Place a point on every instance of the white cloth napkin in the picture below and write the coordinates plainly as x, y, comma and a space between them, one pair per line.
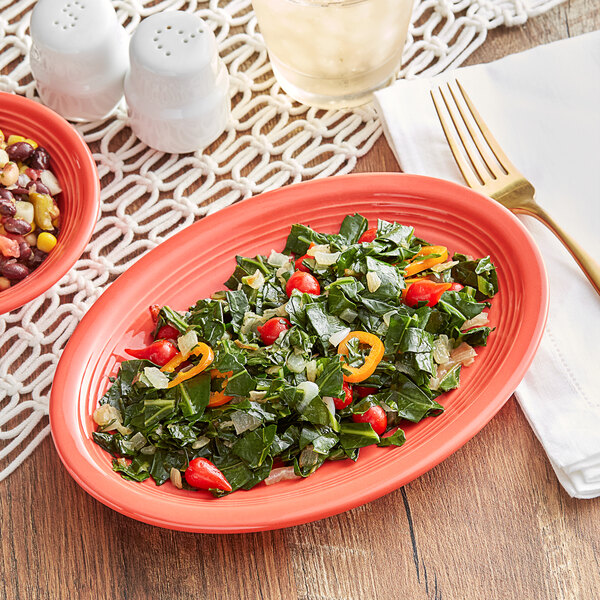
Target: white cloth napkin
543, 106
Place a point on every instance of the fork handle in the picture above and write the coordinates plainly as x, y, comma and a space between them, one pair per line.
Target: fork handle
588, 265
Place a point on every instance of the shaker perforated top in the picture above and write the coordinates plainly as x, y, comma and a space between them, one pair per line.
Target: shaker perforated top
72, 26
176, 45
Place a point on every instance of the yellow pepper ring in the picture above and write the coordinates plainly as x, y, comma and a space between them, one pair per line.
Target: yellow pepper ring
417, 266
372, 359
207, 358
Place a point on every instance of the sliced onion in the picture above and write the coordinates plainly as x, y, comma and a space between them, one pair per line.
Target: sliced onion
311, 370
348, 315
175, 477
200, 442
243, 421
295, 363
107, 415
108, 418
373, 281
337, 338
480, 320
186, 343
25, 211
255, 281
49, 180
281, 474
318, 248
308, 457
137, 441
328, 401
309, 389
464, 354
148, 450
250, 322
156, 377
442, 347
276, 259
388, 315
439, 268
326, 258
257, 396
287, 268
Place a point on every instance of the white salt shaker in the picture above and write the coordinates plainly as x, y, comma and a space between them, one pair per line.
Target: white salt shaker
177, 89
78, 57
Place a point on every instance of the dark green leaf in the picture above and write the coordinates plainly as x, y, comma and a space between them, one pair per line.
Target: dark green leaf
396, 439
357, 435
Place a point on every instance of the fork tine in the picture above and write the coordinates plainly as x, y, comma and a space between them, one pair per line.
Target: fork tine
481, 146
467, 171
487, 134
466, 140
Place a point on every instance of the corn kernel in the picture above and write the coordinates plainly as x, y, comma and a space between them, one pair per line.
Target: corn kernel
4, 283
13, 139
31, 142
46, 241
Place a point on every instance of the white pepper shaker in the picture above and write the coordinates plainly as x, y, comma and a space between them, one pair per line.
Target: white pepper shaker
177, 89
78, 57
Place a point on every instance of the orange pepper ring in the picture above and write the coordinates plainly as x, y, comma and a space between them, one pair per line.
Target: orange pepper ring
372, 359
207, 358
422, 265
219, 398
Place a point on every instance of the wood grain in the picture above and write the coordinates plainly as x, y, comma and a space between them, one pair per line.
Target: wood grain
491, 522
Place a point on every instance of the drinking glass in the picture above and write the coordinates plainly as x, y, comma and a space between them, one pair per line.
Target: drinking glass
334, 53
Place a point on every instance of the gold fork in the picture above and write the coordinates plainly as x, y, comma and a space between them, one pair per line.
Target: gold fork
493, 174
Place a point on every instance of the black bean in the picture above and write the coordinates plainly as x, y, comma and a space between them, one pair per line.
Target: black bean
40, 159
14, 271
37, 258
25, 251
17, 226
38, 187
19, 151
8, 208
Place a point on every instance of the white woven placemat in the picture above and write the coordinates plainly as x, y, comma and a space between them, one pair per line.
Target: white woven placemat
147, 195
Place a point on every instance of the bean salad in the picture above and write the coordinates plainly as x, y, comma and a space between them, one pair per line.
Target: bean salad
29, 213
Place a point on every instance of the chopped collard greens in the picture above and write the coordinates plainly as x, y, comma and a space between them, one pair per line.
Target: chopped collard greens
258, 405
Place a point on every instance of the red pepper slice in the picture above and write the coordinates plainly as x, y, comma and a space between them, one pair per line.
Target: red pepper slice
425, 291
368, 236
203, 474
154, 312
159, 352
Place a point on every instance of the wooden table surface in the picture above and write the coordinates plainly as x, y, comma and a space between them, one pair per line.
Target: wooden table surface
491, 522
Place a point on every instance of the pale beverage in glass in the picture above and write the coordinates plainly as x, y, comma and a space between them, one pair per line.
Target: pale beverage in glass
334, 53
